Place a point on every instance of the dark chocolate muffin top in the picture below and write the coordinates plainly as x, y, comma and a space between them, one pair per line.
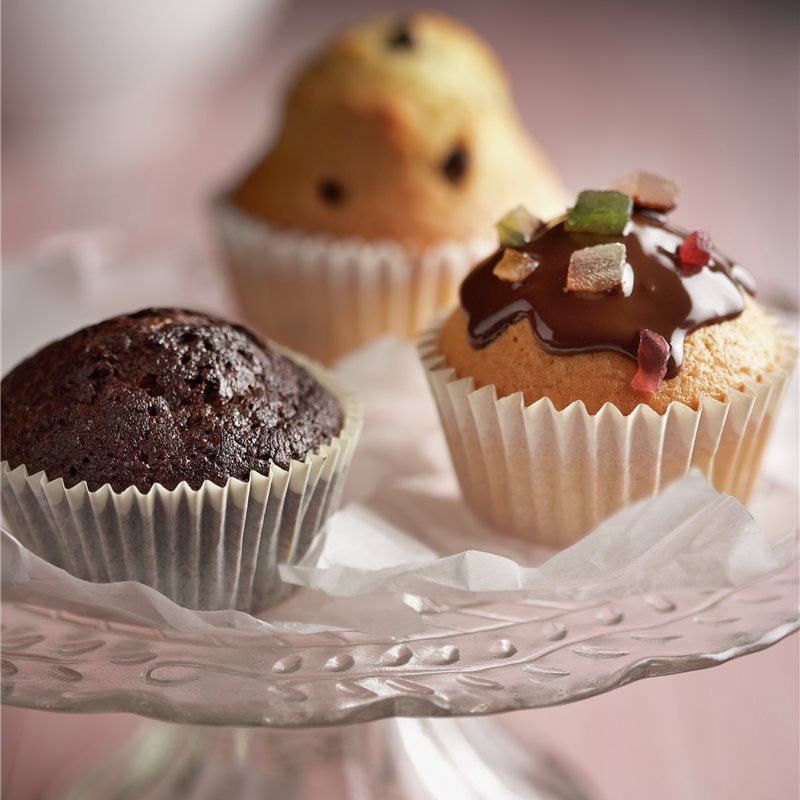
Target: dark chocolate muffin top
162, 396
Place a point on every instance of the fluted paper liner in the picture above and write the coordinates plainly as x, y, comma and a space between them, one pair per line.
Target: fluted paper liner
551, 476
217, 547
326, 295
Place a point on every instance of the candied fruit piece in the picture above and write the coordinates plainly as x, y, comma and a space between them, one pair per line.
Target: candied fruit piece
649, 190
652, 357
517, 227
514, 266
596, 269
606, 212
695, 250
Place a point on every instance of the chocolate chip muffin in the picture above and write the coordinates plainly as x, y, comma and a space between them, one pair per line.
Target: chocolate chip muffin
399, 137
595, 358
162, 396
174, 449
403, 128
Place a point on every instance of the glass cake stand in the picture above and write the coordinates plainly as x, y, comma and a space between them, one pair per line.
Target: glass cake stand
251, 706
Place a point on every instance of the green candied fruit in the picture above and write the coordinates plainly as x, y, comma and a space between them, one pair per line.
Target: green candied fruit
605, 212
517, 227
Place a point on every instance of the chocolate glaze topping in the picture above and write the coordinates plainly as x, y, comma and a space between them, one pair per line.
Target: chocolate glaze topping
665, 298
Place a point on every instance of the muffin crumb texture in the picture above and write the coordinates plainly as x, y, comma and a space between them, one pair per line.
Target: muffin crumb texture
717, 358
402, 128
159, 397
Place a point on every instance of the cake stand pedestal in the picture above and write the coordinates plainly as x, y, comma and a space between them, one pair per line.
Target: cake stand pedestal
396, 759
266, 715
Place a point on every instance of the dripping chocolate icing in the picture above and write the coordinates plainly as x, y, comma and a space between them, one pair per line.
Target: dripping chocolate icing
665, 298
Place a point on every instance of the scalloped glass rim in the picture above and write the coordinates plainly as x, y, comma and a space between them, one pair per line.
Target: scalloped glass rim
471, 660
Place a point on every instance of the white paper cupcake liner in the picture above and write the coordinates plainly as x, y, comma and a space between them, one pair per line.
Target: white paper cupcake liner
551, 476
326, 296
217, 547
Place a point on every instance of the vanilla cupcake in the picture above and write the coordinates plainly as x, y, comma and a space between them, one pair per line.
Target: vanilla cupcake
597, 358
174, 449
399, 149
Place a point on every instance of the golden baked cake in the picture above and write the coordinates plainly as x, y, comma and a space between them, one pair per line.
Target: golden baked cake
404, 129
400, 147
625, 349
716, 358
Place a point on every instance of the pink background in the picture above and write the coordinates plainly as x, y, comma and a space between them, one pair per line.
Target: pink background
706, 93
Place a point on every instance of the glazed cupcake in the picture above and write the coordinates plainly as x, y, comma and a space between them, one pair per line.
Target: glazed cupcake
400, 147
174, 449
595, 359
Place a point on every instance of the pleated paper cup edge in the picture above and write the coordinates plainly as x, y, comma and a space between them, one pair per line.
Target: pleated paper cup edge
232, 221
450, 390
352, 290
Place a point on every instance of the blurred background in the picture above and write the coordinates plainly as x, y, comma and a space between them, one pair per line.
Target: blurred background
124, 119
132, 115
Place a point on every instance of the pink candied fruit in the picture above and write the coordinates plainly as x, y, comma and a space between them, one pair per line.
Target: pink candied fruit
652, 357
695, 250
649, 190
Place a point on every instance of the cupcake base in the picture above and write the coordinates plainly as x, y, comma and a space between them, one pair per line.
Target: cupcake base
217, 547
551, 476
344, 291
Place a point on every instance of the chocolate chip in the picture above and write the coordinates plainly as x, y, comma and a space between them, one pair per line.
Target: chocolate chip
331, 192
456, 164
400, 38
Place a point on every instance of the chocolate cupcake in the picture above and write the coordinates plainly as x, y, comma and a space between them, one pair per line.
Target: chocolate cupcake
597, 358
400, 148
174, 449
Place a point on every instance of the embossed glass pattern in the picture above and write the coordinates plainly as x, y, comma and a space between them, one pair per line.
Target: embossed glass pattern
471, 659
